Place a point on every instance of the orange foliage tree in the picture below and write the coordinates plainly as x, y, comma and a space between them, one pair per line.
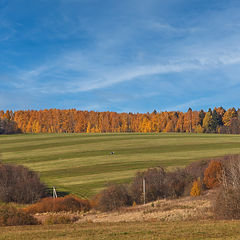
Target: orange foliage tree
212, 174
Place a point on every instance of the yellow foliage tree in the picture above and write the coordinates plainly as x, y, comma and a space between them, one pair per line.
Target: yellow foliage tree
206, 121
196, 188
228, 116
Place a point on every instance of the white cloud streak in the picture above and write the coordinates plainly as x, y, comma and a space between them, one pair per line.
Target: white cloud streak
99, 77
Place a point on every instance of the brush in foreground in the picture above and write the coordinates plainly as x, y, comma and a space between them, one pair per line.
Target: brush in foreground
10, 216
68, 203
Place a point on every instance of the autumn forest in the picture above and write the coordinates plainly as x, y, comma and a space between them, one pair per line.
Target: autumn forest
217, 120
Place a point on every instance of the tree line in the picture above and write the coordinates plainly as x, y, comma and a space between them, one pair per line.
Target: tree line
217, 120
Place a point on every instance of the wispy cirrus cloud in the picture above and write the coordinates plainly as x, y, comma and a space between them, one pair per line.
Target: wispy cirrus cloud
87, 76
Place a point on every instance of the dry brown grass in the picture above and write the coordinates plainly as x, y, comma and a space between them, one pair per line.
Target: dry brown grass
184, 209
165, 210
150, 230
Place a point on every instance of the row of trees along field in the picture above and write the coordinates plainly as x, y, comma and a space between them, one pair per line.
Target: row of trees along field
217, 120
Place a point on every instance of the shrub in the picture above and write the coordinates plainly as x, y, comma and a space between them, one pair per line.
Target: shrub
196, 188
160, 184
20, 185
227, 202
212, 174
94, 202
155, 185
178, 183
197, 169
114, 197
10, 216
68, 203
226, 161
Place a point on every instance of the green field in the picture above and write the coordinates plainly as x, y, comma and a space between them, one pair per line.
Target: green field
200, 230
82, 163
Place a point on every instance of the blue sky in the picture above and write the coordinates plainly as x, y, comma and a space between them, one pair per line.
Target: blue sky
124, 56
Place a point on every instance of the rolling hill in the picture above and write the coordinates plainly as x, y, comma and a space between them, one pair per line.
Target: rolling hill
83, 164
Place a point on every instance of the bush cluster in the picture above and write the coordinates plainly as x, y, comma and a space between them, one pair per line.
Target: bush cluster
193, 180
10, 216
68, 203
20, 185
159, 184
113, 197
155, 185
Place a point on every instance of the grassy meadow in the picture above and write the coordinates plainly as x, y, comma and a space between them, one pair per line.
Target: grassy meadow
83, 164
201, 230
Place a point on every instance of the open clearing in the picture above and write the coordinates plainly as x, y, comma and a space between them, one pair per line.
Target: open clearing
82, 163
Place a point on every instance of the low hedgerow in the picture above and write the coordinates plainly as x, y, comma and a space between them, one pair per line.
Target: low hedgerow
11, 216
68, 203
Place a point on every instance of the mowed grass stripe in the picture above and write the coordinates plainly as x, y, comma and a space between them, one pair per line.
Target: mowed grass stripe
83, 150
129, 141
82, 163
43, 143
56, 144
99, 168
167, 159
30, 137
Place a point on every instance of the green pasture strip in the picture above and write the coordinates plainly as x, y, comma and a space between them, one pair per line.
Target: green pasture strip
52, 154
58, 142
68, 150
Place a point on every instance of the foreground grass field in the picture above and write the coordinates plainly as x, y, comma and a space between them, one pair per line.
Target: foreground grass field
83, 163
200, 230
